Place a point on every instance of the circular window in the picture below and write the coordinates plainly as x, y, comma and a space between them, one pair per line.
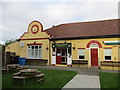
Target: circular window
34, 29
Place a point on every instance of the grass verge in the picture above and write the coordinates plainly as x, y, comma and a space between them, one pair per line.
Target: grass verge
109, 80
53, 79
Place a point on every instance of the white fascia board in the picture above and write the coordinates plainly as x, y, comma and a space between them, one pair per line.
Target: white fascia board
111, 41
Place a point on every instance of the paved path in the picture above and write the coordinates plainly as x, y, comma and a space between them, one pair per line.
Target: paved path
83, 81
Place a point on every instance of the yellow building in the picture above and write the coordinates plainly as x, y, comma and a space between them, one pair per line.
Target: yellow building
84, 44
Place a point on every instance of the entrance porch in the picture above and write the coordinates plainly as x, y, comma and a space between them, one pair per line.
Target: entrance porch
61, 54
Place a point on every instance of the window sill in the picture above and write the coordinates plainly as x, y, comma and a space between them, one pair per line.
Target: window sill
82, 60
107, 61
33, 58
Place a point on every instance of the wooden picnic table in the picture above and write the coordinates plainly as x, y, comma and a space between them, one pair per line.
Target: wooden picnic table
32, 72
12, 66
24, 73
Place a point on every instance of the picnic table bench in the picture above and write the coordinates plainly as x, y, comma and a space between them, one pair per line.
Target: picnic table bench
19, 80
40, 77
20, 76
5, 70
17, 74
10, 66
19, 68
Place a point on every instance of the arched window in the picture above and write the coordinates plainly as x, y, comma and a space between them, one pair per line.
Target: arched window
94, 45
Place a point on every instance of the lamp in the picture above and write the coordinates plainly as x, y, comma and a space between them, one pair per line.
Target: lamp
54, 42
65, 42
74, 46
47, 47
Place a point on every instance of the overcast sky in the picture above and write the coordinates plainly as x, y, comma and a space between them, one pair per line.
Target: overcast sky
16, 16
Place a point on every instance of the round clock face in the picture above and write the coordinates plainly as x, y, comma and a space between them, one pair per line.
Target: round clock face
34, 29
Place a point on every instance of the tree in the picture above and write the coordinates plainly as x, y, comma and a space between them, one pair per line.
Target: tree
9, 42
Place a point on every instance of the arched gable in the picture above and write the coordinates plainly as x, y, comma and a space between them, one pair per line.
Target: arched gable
35, 31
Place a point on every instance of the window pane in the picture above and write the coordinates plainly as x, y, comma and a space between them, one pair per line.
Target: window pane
58, 50
81, 57
53, 49
64, 51
63, 59
107, 54
69, 51
107, 57
34, 52
32, 47
29, 53
40, 53
94, 45
36, 47
107, 50
81, 52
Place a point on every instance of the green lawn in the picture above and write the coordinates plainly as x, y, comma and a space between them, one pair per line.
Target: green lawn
109, 80
53, 79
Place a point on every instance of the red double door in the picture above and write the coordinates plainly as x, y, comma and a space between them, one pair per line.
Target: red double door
94, 57
61, 55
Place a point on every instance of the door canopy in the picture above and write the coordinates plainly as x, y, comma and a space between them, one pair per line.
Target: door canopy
94, 41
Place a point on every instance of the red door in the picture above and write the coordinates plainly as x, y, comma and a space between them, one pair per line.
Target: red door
58, 56
94, 57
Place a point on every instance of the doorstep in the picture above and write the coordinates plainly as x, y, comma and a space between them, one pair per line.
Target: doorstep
61, 65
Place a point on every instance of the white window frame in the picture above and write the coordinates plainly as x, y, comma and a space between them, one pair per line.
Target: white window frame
104, 55
34, 56
79, 54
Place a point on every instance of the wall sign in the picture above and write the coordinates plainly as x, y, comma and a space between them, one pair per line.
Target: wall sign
111, 42
21, 44
61, 45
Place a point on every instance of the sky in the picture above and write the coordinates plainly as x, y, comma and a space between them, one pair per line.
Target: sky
17, 14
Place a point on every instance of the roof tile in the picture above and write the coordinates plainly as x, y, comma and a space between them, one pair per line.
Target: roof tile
85, 29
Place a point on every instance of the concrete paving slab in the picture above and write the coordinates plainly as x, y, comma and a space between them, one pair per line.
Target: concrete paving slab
83, 81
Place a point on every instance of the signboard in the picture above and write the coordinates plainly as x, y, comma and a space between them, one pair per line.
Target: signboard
111, 42
21, 44
61, 45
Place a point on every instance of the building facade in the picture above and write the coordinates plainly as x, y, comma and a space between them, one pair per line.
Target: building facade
84, 44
